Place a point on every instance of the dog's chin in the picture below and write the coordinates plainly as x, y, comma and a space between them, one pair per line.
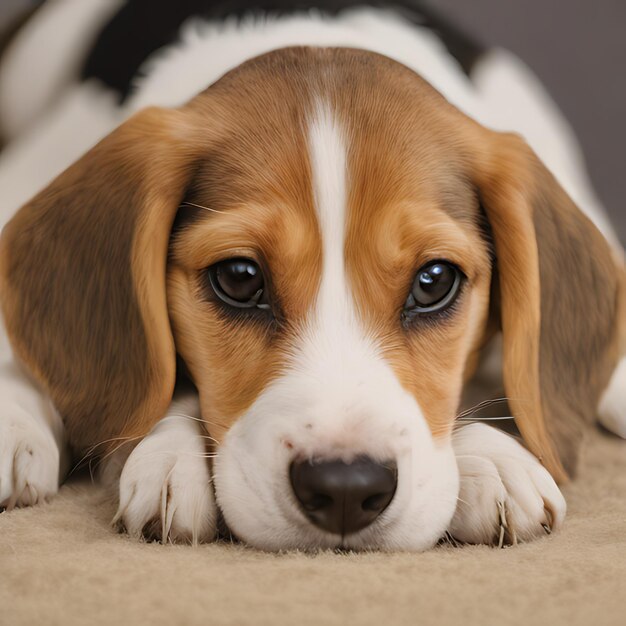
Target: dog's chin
254, 494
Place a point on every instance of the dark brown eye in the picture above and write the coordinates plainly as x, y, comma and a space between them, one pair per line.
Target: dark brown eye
435, 287
239, 283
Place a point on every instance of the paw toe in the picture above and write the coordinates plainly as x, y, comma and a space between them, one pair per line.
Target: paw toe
166, 495
476, 518
29, 461
505, 494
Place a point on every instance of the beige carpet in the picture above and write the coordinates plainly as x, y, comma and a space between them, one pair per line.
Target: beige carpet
62, 564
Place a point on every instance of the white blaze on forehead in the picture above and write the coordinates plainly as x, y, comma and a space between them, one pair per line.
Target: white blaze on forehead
335, 356
339, 364
329, 175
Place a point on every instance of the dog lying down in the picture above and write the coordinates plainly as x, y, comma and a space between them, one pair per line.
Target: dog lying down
270, 295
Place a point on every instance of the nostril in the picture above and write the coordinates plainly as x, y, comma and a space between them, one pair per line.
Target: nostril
377, 502
343, 497
317, 502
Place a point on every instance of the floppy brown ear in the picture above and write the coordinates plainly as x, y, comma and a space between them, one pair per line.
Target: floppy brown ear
559, 286
82, 279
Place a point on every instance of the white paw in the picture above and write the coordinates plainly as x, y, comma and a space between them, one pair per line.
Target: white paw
505, 494
165, 486
29, 459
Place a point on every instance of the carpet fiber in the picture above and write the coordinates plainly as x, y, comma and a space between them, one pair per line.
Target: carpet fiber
61, 563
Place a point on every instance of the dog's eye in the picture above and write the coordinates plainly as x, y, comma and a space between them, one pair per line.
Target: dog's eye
435, 288
239, 283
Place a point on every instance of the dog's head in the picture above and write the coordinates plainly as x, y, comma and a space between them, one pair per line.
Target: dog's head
327, 244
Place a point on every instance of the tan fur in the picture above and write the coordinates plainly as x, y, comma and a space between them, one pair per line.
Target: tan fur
418, 173
404, 212
232, 358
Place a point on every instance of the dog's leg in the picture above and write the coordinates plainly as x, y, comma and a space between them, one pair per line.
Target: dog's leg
505, 494
165, 489
612, 410
33, 456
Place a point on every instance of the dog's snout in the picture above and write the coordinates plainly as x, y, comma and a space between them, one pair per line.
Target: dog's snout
343, 498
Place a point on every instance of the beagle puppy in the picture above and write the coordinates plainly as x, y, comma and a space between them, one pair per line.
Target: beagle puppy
267, 294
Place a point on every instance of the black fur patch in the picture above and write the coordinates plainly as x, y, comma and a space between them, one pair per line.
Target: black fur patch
142, 26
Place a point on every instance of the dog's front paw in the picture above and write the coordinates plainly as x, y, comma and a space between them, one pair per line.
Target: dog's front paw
165, 485
29, 459
505, 494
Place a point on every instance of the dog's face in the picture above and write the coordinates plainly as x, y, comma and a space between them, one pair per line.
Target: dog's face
371, 278
327, 286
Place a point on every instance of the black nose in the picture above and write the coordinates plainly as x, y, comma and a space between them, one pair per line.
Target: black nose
343, 497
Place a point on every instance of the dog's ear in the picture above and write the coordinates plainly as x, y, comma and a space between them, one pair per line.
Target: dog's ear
559, 287
82, 279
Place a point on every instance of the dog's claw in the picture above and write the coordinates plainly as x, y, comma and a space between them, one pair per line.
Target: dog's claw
506, 529
503, 524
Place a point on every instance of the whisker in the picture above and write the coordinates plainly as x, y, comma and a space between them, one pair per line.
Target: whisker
484, 419
93, 464
97, 445
198, 455
110, 453
184, 415
101, 443
199, 206
195, 419
192, 417
480, 405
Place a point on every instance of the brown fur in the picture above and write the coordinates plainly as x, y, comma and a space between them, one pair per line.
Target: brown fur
82, 272
418, 169
559, 286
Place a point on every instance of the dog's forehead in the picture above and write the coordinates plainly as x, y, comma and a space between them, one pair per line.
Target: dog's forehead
399, 135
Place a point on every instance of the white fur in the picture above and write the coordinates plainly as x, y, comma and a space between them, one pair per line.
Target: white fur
612, 411
503, 488
165, 482
338, 399
45, 58
330, 173
84, 114
33, 456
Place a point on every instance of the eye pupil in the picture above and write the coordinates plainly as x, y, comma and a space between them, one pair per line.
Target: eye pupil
237, 271
238, 282
434, 288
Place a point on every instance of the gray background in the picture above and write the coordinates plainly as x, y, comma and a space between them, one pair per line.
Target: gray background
578, 49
